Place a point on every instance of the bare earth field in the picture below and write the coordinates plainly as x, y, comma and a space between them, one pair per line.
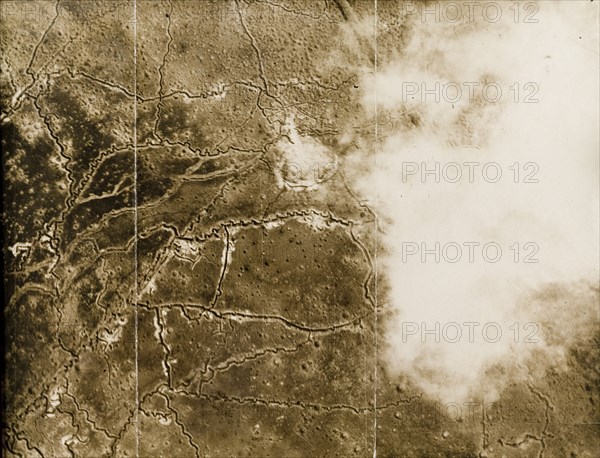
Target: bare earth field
201, 236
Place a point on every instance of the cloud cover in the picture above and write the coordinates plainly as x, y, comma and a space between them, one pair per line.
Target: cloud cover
553, 141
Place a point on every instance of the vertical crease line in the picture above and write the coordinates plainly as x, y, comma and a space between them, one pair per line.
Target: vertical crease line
135, 233
376, 381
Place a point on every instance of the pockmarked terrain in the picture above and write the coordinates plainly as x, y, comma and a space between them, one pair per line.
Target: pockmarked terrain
225, 232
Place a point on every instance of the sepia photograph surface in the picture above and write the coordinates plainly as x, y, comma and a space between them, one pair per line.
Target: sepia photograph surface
300, 228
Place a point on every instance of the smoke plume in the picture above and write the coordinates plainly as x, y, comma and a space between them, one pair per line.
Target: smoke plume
516, 170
